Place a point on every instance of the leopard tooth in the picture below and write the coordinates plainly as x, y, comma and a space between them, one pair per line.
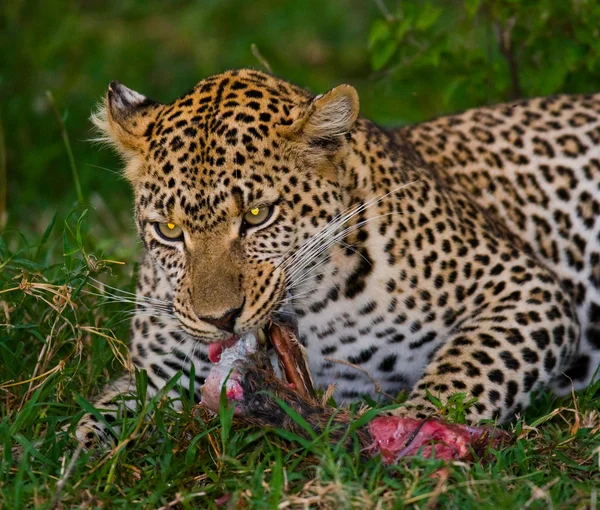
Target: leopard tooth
261, 336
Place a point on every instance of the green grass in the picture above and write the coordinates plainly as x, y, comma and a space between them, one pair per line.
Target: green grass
68, 220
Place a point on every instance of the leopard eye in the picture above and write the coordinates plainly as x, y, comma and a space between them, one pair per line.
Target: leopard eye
257, 215
169, 231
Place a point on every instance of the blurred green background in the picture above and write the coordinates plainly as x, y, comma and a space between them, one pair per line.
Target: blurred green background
410, 60
61, 331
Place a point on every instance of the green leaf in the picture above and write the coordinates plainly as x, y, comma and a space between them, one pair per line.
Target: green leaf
382, 52
78, 228
298, 419
141, 384
403, 28
165, 390
427, 17
380, 31
32, 450
277, 478
3, 249
226, 412
45, 236
28, 265
294, 438
88, 407
472, 6
27, 414
192, 452
67, 250
450, 90
78, 288
192, 383
434, 400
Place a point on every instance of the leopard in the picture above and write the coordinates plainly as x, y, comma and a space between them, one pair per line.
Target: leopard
458, 255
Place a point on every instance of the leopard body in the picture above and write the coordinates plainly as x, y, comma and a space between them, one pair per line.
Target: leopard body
457, 255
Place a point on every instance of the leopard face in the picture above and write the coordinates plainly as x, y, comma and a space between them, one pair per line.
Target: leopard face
229, 181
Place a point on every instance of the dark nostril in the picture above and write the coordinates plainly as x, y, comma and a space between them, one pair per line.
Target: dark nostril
226, 321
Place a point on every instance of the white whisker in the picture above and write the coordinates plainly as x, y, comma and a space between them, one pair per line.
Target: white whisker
113, 298
336, 223
302, 265
120, 292
333, 240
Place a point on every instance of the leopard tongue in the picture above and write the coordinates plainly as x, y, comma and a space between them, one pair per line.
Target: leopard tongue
215, 349
292, 359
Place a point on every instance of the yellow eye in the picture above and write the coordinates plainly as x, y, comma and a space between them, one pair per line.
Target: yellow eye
169, 231
257, 215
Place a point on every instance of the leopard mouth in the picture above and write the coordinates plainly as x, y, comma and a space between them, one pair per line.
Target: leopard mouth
216, 348
282, 318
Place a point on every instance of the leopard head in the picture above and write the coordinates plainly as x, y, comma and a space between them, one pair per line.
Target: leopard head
230, 182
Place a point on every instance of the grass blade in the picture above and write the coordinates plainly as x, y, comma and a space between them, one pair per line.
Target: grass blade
66, 141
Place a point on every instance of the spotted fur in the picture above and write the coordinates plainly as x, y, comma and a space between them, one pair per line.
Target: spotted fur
458, 255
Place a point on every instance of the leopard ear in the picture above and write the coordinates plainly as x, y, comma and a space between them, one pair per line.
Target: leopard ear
125, 119
326, 118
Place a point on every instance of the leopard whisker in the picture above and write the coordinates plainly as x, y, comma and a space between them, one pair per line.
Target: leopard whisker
116, 292
310, 268
333, 225
338, 221
330, 242
171, 353
304, 292
116, 299
332, 228
113, 298
128, 315
308, 273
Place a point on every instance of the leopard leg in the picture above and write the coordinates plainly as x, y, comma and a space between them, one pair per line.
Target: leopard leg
117, 399
160, 347
499, 355
176, 354
162, 353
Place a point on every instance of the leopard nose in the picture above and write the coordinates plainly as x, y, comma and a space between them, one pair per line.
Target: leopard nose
226, 322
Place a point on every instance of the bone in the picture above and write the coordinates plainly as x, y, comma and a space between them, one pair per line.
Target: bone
293, 360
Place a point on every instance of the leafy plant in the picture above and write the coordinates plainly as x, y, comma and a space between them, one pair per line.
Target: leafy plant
463, 54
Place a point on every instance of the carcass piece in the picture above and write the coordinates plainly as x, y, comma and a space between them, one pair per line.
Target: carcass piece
226, 372
251, 384
396, 437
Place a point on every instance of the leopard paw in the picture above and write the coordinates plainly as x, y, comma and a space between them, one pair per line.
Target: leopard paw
92, 434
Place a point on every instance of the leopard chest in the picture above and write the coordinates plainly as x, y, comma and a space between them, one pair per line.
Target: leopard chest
372, 337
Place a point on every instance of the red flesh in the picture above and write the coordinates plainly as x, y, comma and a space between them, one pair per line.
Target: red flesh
396, 437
